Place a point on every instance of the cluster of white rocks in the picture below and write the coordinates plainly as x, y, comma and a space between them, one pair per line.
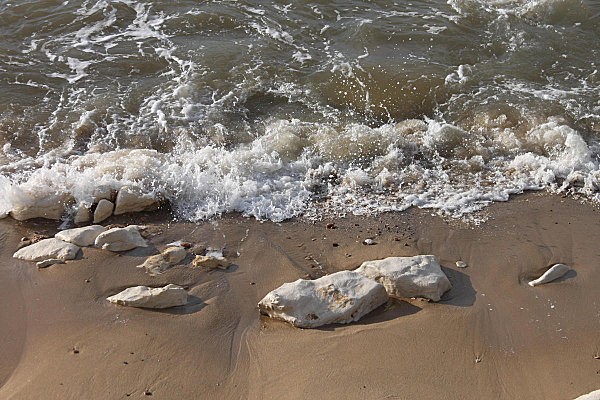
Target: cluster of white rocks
65, 245
104, 204
346, 296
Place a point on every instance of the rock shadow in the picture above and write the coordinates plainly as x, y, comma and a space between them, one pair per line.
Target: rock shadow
148, 251
386, 312
462, 293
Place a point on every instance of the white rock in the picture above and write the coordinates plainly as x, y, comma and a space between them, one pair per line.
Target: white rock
461, 264
85, 236
341, 297
369, 242
82, 214
120, 239
160, 262
49, 262
595, 395
39, 205
145, 297
47, 249
3, 214
555, 272
132, 200
174, 255
103, 210
211, 262
418, 276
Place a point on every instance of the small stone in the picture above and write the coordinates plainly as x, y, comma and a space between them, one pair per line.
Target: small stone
82, 214
160, 262
104, 209
335, 244
553, 273
369, 242
211, 262
330, 225
145, 297
49, 262
120, 239
461, 264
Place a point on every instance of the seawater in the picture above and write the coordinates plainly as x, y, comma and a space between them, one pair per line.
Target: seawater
281, 109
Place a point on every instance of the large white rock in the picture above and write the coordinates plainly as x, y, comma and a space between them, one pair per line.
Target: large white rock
145, 297
39, 205
418, 276
48, 249
341, 297
133, 200
555, 272
104, 209
595, 395
160, 262
83, 237
120, 239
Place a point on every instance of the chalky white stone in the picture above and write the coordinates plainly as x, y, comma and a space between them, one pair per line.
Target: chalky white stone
418, 276
340, 298
104, 209
145, 297
48, 249
83, 237
555, 272
132, 200
120, 239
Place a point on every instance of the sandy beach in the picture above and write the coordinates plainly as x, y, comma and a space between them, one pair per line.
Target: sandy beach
491, 337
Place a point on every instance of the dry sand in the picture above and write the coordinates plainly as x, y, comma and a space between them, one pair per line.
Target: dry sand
492, 337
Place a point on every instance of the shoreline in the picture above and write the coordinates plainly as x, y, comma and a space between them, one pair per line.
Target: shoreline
491, 336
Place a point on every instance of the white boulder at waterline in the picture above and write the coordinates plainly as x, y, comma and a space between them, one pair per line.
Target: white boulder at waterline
48, 249
340, 298
418, 276
555, 272
145, 297
121, 239
85, 236
103, 210
30, 204
82, 214
133, 200
167, 258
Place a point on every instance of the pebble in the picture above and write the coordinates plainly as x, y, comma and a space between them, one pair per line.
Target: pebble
369, 242
461, 264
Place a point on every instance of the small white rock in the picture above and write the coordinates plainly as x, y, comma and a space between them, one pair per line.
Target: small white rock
145, 297
369, 242
341, 298
49, 262
83, 237
47, 249
82, 214
555, 272
120, 239
104, 209
160, 262
461, 264
211, 262
403, 277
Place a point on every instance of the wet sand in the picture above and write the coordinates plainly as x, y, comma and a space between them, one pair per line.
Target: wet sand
492, 336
